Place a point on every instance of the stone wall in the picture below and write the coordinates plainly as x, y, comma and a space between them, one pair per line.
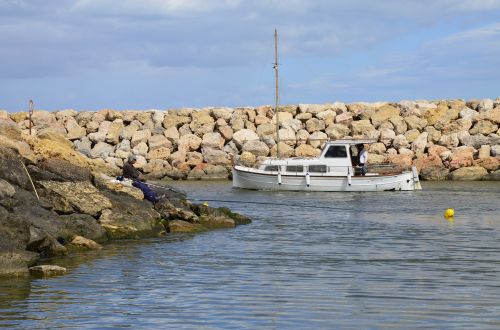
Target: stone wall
451, 139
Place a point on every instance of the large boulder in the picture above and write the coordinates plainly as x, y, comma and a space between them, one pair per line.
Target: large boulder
243, 136
383, 114
473, 173
69, 197
213, 140
258, 148
130, 218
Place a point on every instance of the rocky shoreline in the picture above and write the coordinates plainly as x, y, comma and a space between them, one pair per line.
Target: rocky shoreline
446, 139
71, 204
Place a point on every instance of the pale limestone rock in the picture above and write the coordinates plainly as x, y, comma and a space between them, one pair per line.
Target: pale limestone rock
459, 125
97, 137
312, 108
343, 118
177, 157
258, 148
190, 142
220, 122
419, 144
122, 154
411, 135
158, 117
484, 151
158, 153
406, 151
386, 125
307, 151
194, 158
294, 124
303, 136
400, 141
376, 148
101, 150
449, 140
185, 130
249, 125
172, 134
434, 134
495, 150
283, 116
213, 140
140, 149
237, 123
338, 107
260, 119
287, 135
124, 145
314, 125
361, 127
328, 116
140, 137
473, 173
304, 116
485, 105
266, 130
484, 127
492, 115
222, 113
84, 146
408, 108
377, 159
400, 126
441, 116
415, 122
174, 120
216, 157
86, 243
384, 114
285, 150
247, 159
251, 115
141, 162
318, 139
75, 131
386, 136
159, 141
114, 132
129, 130
243, 136
467, 113
143, 116
43, 118
226, 132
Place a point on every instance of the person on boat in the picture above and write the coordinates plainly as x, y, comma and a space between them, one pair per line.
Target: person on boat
130, 172
363, 158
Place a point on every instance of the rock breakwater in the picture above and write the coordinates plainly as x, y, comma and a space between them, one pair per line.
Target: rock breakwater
447, 139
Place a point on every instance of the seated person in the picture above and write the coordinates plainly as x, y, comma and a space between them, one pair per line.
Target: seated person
130, 172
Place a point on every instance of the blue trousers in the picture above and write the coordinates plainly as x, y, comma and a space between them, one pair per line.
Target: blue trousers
149, 194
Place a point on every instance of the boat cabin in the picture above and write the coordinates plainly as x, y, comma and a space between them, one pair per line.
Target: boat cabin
338, 157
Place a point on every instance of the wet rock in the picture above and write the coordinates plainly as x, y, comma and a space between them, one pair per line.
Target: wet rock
82, 242
434, 173
81, 225
493, 176
16, 262
6, 189
47, 271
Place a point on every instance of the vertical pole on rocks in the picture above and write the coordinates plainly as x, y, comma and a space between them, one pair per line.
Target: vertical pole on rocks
30, 112
277, 94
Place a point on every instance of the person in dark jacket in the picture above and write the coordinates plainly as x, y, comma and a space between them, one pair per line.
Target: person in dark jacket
130, 172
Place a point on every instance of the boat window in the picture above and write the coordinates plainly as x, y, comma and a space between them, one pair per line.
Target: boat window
295, 168
271, 168
317, 168
336, 152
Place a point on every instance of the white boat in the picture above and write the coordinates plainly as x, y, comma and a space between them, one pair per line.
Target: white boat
333, 170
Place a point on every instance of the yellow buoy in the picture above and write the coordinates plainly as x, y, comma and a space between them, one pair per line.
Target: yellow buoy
449, 213
205, 204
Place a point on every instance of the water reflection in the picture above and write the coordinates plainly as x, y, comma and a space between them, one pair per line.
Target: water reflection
387, 260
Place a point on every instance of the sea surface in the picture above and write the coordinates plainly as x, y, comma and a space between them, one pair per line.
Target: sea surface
386, 260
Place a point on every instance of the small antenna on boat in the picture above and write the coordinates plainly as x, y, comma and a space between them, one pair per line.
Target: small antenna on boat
277, 93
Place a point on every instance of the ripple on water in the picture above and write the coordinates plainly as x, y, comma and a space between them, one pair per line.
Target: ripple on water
369, 260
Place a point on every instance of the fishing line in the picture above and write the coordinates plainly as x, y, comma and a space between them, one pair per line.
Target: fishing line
280, 204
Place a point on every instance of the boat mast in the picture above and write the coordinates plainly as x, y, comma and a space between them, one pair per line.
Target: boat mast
276, 93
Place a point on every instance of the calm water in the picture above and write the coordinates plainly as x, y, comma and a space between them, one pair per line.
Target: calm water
369, 261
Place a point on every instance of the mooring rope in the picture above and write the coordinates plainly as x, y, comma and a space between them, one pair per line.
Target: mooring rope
29, 177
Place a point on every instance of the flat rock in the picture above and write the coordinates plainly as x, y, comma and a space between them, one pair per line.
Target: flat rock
47, 270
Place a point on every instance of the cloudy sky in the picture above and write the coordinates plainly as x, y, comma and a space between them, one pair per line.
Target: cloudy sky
141, 54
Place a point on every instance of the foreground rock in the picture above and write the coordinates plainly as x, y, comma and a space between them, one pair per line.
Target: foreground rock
47, 270
73, 203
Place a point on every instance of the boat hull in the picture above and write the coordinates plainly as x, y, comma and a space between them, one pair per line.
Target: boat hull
249, 178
